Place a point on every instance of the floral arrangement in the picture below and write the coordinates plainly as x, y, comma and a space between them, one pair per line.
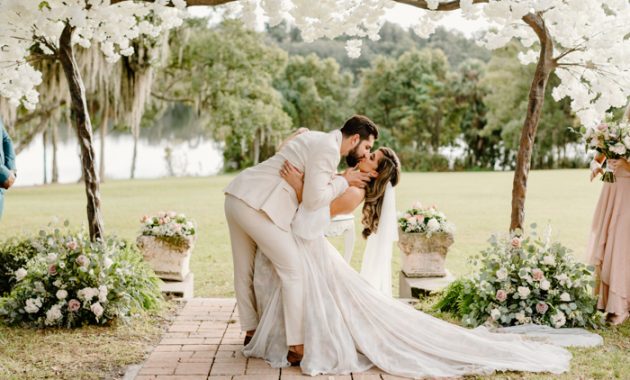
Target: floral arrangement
172, 228
427, 220
610, 139
524, 280
72, 281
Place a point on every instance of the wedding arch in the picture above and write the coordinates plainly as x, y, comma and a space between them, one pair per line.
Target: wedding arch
586, 43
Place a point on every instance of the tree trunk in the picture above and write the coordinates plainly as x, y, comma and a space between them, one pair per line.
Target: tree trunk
544, 68
103, 131
44, 140
55, 162
257, 139
83, 125
134, 157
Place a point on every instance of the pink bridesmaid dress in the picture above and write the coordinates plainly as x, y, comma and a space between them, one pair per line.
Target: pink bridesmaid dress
609, 247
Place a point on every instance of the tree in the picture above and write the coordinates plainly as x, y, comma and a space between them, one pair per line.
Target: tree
315, 93
411, 97
507, 105
226, 74
482, 143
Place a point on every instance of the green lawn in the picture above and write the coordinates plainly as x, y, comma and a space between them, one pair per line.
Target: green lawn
478, 203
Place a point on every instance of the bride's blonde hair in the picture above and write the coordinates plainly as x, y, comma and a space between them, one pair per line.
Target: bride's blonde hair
388, 171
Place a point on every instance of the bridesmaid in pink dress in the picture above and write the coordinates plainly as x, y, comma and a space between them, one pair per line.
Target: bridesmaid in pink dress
609, 245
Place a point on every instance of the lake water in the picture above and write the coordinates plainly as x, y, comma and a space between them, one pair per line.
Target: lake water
196, 157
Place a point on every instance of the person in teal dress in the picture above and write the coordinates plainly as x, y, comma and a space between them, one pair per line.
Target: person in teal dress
8, 171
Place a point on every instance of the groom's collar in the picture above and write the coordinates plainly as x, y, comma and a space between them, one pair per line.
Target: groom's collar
338, 137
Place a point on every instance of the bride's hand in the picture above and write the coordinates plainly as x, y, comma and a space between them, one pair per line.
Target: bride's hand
294, 177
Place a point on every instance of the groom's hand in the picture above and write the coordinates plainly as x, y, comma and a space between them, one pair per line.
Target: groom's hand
356, 178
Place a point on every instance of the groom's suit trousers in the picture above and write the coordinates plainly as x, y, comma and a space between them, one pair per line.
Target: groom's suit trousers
249, 229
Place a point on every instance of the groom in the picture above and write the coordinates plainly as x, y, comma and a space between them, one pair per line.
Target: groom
260, 205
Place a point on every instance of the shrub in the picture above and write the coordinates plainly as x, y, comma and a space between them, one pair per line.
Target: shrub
14, 254
72, 281
524, 280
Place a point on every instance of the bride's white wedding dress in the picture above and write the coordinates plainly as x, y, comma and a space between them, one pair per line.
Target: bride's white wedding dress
350, 326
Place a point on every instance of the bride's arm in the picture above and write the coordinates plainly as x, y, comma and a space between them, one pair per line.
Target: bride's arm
343, 204
347, 201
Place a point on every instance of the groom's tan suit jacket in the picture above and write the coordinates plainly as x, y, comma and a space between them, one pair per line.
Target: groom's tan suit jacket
316, 154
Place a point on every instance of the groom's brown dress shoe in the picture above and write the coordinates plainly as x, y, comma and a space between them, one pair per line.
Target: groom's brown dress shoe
248, 338
294, 358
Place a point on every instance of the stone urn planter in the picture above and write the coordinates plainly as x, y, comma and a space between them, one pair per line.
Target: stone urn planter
423, 256
168, 261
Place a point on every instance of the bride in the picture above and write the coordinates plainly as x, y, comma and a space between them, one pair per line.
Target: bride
351, 326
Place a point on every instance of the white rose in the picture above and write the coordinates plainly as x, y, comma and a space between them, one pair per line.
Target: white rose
618, 148
87, 294
433, 225
53, 315
558, 320
523, 291
545, 285
62, 294
97, 309
626, 141
33, 305
549, 260
20, 274
565, 297
58, 283
562, 278
102, 293
520, 316
495, 314
502, 274
107, 262
52, 257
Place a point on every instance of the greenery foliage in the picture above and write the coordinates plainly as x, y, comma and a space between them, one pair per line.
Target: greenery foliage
71, 282
524, 280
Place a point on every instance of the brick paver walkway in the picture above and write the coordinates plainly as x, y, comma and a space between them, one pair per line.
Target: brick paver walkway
205, 342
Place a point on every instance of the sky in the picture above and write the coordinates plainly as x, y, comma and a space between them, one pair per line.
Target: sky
406, 15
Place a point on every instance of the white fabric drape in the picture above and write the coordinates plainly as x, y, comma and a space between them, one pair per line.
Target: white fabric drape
376, 267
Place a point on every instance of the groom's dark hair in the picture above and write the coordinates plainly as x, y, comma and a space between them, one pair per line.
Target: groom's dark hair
361, 125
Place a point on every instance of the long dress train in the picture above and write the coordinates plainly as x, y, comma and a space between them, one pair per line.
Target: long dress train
350, 326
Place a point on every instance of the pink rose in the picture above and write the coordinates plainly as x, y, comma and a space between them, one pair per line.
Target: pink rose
162, 221
516, 242
537, 274
602, 127
74, 305
72, 245
145, 219
83, 261
542, 307
52, 269
501, 295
